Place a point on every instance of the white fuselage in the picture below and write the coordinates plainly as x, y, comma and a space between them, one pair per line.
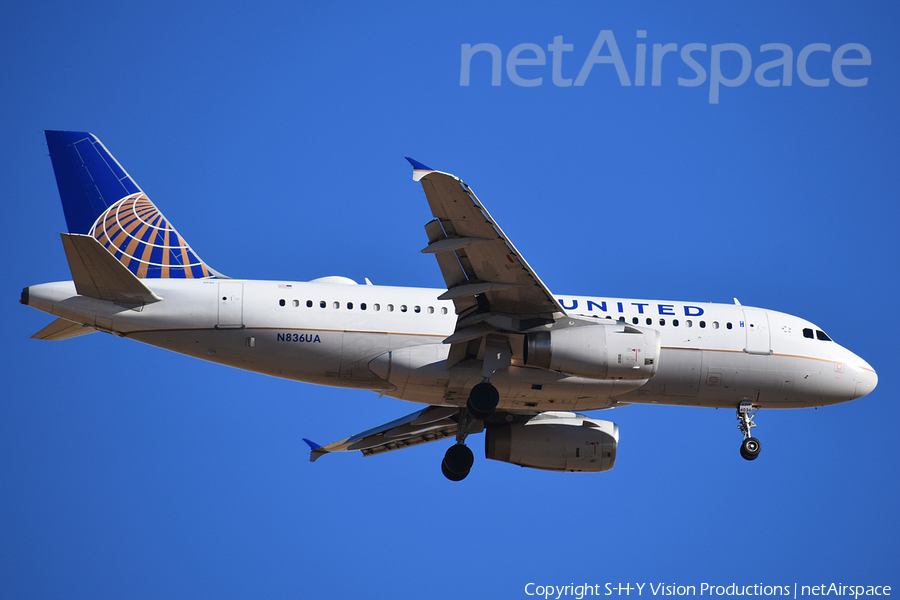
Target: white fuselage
389, 339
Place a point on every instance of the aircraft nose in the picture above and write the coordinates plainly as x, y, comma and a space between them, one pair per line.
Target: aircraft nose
866, 379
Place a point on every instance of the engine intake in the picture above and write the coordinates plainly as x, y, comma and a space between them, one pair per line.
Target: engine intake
555, 441
601, 351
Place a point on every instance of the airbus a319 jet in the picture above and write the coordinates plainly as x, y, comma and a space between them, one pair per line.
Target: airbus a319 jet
494, 352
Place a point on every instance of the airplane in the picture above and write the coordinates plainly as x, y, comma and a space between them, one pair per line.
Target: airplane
495, 352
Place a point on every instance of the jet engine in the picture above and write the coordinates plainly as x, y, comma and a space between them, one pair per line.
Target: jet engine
607, 351
555, 441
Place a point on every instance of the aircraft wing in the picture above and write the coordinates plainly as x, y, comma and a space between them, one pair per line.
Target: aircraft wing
427, 425
494, 290
490, 282
475, 256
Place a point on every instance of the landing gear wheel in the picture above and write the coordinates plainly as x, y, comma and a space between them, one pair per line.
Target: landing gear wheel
457, 462
483, 400
450, 475
750, 448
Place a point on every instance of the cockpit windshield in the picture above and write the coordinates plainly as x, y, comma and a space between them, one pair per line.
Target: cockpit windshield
818, 335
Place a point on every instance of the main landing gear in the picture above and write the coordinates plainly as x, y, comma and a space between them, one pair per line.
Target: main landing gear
750, 446
483, 401
458, 460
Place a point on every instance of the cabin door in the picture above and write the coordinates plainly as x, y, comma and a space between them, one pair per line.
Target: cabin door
756, 324
231, 305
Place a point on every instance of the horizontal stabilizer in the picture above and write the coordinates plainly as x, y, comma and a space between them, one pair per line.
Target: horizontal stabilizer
61, 329
98, 274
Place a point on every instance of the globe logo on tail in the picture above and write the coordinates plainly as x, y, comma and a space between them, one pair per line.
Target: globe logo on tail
142, 239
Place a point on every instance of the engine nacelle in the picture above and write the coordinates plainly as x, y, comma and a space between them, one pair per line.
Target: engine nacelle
555, 441
602, 351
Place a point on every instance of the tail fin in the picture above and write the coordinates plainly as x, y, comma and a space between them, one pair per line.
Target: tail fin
101, 199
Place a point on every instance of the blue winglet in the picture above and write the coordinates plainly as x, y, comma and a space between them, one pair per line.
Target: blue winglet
315, 450
417, 165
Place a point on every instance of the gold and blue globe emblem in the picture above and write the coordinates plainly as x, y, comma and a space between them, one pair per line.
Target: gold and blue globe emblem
142, 239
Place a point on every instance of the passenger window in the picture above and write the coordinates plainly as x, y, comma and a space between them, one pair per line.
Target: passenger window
402, 308
322, 304
430, 310
662, 321
727, 325
808, 333
820, 335
281, 302
675, 322
376, 306
444, 310
296, 303
689, 323
649, 321
635, 320
309, 304
337, 305
362, 306
417, 309
390, 307
715, 324
349, 306
702, 324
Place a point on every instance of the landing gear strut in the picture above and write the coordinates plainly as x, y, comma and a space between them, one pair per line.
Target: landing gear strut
459, 458
750, 446
484, 397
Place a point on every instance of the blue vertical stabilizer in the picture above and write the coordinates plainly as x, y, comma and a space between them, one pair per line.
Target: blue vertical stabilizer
101, 200
89, 178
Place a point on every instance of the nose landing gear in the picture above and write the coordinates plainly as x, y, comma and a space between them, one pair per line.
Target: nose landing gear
750, 447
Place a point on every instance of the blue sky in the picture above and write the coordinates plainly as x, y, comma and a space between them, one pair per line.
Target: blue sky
273, 137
